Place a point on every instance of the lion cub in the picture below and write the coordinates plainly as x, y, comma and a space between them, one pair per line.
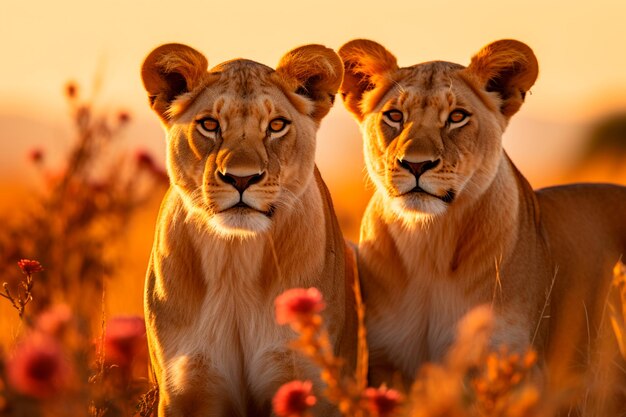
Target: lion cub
453, 224
246, 217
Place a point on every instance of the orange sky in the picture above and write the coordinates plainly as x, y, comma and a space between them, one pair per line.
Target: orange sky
580, 50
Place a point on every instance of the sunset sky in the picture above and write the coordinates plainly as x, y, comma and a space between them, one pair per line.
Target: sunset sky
581, 52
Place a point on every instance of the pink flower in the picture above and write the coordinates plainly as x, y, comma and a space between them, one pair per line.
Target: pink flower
54, 320
29, 267
38, 368
125, 340
293, 399
298, 305
382, 401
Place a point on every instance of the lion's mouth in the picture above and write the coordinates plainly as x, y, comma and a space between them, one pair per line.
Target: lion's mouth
447, 198
242, 207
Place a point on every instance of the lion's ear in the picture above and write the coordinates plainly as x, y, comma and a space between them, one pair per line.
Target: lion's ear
315, 72
508, 67
169, 71
365, 63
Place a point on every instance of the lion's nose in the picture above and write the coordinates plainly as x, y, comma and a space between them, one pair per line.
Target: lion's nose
418, 168
241, 183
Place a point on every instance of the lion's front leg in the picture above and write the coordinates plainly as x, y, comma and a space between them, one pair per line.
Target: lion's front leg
194, 403
190, 387
271, 369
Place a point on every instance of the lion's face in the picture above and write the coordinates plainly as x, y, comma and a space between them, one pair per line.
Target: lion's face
241, 146
430, 140
432, 132
242, 150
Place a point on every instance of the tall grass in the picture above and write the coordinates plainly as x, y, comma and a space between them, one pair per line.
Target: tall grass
473, 380
67, 357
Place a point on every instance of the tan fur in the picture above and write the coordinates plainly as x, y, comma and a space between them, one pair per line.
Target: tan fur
216, 269
476, 233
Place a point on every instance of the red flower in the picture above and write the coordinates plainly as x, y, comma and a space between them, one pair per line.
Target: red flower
293, 399
54, 320
298, 305
382, 401
144, 160
36, 156
71, 89
29, 267
125, 340
123, 117
38, 368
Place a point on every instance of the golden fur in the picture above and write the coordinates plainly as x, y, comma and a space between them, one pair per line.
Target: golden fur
453, 224
221, 253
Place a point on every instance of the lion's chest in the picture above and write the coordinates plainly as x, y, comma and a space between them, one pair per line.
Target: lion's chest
421, 324
235, 338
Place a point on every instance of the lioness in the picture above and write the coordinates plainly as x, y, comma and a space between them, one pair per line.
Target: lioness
247, 216
453, 224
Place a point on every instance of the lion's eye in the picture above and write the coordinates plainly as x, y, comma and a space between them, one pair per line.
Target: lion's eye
208, 127
278, 127
393, 118
458, 118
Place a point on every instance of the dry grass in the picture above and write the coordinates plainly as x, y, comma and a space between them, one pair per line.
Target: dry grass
474, 380
617, 306
471, 381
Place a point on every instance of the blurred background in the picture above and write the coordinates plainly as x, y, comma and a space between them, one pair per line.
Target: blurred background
71, 70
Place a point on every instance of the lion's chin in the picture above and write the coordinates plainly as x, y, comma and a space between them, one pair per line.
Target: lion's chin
417, 208
240, 223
